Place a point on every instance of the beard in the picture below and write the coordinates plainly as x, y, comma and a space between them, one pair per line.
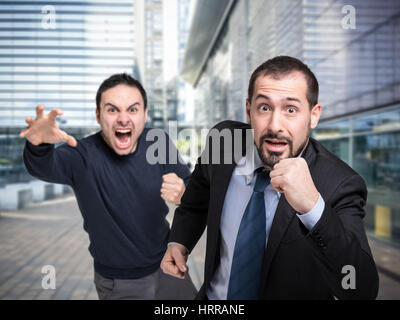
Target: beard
270, 158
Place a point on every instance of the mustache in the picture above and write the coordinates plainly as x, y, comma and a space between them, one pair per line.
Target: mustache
273, 157
271, 135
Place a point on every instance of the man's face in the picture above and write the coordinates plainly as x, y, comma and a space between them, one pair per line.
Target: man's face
281, 117
122, 118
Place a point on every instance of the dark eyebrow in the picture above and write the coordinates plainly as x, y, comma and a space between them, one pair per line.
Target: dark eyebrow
293, 99
111, 105
134, 104
262, 96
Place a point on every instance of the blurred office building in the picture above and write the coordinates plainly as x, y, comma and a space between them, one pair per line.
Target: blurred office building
165, 25
151, 57
185, 105
353, 47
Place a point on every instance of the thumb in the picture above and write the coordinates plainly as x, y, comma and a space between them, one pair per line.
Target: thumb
71, 141
68, 139
179, 259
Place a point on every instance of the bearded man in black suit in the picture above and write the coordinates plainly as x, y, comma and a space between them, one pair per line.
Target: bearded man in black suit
285, 220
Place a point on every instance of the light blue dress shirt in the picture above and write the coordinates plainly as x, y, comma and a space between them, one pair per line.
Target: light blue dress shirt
238, 195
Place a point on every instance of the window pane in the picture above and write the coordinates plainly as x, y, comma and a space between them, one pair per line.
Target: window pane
377, 159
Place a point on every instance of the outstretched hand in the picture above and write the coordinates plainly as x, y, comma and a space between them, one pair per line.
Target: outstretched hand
44, 129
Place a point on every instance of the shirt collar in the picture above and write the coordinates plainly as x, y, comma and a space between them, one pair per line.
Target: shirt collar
248, 164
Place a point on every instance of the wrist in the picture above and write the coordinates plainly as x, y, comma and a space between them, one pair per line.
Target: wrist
180, 247
311, 204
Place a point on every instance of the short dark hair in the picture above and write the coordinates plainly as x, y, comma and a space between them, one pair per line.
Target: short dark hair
116, 79
281, 66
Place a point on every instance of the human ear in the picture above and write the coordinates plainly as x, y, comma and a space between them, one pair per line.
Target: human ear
315, 115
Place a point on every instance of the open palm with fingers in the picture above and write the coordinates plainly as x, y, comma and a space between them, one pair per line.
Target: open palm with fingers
44, 129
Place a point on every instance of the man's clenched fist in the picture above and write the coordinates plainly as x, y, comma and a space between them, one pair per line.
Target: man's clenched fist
174, 261
172, 188
292, 177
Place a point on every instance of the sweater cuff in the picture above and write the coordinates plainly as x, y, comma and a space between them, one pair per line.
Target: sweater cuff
40, 149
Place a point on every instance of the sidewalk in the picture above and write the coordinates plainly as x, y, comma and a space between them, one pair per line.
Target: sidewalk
387, 260
51, 233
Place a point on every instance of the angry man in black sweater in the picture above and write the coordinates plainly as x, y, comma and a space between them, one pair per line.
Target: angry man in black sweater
120, 192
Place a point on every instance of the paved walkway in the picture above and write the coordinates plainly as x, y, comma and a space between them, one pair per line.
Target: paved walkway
51, 233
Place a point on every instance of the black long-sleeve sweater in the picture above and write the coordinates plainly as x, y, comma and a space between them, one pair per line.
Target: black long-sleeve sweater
118, 196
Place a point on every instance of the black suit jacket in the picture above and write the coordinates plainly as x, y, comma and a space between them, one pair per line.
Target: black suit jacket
298, 263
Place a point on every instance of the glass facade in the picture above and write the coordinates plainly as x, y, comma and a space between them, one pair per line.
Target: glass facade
371, 145
355, 54
61, 64
183, 33
154, 59
57, 53
358, 69
221, 90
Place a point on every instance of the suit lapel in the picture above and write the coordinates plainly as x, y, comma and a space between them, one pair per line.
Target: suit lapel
221, 177
283, 217
223, 173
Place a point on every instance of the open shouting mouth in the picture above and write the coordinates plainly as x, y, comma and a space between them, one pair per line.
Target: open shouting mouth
123, 137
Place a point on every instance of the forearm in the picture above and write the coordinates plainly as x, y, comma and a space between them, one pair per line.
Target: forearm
187, 228
190, 217
339, 242
42, 162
